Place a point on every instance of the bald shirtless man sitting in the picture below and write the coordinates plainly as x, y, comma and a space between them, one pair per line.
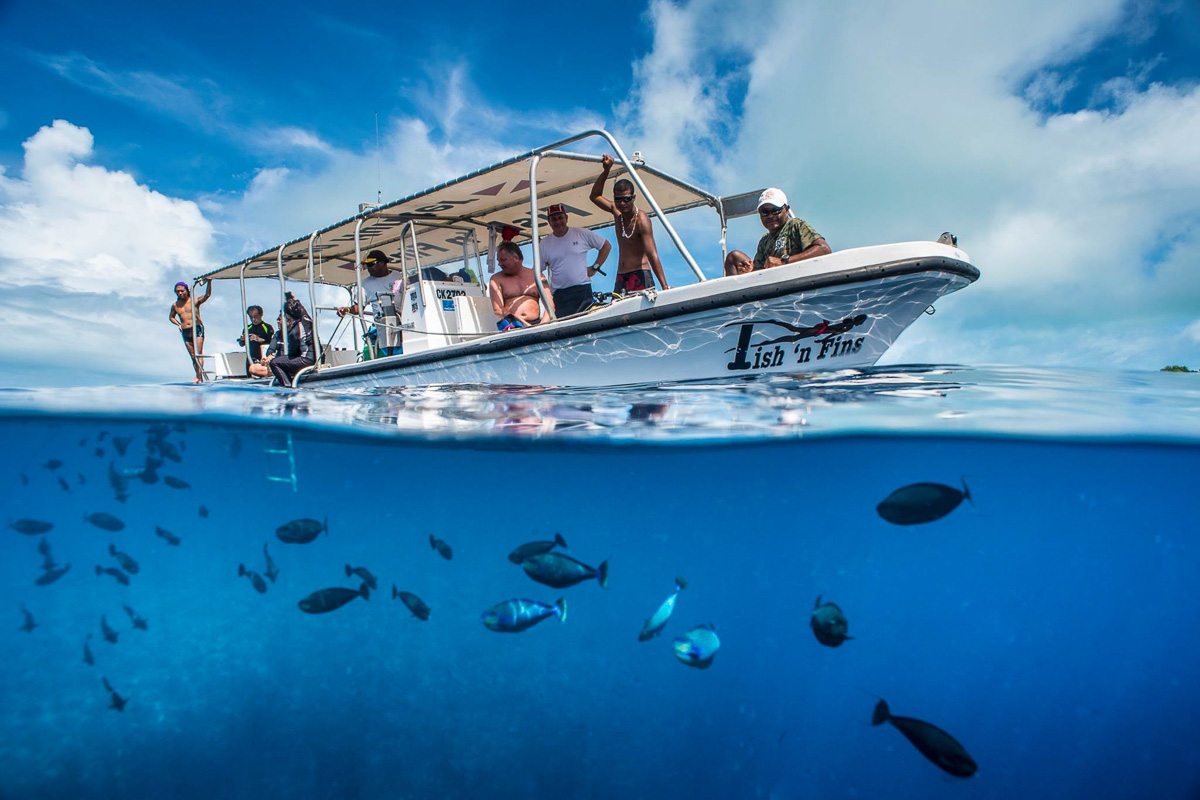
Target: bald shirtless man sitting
514, 291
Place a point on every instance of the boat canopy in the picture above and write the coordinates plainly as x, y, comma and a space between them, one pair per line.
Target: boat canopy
448, 219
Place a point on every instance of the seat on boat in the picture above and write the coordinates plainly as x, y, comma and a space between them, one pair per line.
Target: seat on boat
229, 365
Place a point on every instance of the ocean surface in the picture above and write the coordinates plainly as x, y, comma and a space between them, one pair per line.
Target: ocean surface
1048, 623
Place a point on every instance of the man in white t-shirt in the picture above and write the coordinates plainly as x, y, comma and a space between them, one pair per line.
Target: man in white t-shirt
565, 257
378, 280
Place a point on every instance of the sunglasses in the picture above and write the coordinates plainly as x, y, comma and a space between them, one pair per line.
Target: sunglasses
768, 212
627, 199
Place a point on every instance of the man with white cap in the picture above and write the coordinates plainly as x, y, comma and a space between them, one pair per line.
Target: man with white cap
564, 254
787, 239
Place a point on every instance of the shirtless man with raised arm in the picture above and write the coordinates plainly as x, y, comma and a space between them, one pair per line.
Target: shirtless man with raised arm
636, 252
182, 308
514, 290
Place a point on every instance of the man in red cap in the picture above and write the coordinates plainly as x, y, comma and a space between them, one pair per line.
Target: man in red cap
564, 256
787, 239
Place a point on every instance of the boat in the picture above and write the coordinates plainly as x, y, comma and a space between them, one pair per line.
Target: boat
842, 310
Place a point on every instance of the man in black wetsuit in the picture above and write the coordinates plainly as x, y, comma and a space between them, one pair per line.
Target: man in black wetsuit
301, 344
259, 331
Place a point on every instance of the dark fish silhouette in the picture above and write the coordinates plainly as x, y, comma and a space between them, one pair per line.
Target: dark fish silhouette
829, 624
138, 622
415, 604
115, 700
30, 527
271, 572
698, 647
48, 562
169, 451
302, 531
121, 443
24, 479
166, 536
82, 480
106, 521
29, 624
921, 502
323, 601
66, 487
99, 451
536, 548
116, 480
365, 574
934, 743
121, 577
658, 620
87, 652
176, 483
444, 550
260, 585
514, 616
560, 570
49, 576
124, 559
52, 464
109, 634
203, 511
149, 473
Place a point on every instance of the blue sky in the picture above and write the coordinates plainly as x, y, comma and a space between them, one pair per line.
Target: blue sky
141, 144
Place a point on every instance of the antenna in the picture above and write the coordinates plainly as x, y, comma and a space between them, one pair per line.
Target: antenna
378, 163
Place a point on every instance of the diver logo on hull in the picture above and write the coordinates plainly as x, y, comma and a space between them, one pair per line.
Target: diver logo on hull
829, 336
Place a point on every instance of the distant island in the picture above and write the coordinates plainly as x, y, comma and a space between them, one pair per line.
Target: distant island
1176, 368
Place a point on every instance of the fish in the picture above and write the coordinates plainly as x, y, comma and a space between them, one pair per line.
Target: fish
124, 559
24, 479
106, 521
29, 624
158, 430
919, 503
176, 483
169, 451
260, 585
658, 620
48, 562
99, 451
31, 527
272, 572
138, 622
536, 548
560, 570
49, 576
934, 743
66, 487
121, 443
365, 574
82, 480
514, 616
167, 536
323, 601
52, 464
87, 652
122, 496
444, 550
203, 512
116, 480
109, 634
302, 531
415, 604
829, 624
698, 647
121, 577
115, 700
148, 476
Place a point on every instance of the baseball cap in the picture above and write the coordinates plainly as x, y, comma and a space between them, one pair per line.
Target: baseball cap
557, 208
376, 255
772, 197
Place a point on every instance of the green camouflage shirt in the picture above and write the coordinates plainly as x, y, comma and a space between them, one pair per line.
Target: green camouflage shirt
794, 236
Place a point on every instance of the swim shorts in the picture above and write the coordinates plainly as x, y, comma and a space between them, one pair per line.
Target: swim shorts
186, 333
634, 281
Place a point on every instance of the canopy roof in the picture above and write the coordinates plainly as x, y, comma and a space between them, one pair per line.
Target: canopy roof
497, 194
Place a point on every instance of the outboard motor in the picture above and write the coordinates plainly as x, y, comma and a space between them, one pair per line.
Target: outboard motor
948, 238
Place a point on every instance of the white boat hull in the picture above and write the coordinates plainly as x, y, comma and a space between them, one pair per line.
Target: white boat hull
844, 314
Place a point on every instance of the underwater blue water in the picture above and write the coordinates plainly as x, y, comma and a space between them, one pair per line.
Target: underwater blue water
1049, 624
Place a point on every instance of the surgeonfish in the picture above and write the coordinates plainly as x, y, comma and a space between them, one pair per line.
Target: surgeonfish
167, 536
697, 647
121, 577
323, 601
109, 634
919, 503
138, 622
124, 559
116, 702
444, 550
934, 743
829, 624
50, 575
87, 652
658, 620
256, 580
536, 548
29, 624
52, 464
203, 512
121, 443
30, 527
365, 574
106, 521
560, 570
302, 531
176, 483
514, 616
415, 604
272, 571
